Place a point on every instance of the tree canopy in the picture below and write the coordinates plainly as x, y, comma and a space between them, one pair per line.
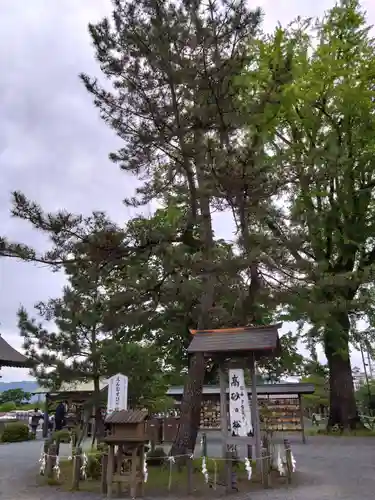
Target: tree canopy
16, 396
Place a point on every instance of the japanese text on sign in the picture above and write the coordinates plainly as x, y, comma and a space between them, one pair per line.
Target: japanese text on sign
117, 393
239, 408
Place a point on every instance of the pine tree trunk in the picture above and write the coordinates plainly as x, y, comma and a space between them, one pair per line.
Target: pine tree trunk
343, 406
192, 398
99, 423
190, 407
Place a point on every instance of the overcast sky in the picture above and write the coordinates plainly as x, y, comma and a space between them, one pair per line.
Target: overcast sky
53, 146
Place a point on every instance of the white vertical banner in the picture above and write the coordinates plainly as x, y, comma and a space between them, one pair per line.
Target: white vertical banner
239, 408
117, 393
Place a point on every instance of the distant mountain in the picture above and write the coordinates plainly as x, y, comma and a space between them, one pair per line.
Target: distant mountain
25, 385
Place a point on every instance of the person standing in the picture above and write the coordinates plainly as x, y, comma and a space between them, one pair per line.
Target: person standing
35, 420
60, 414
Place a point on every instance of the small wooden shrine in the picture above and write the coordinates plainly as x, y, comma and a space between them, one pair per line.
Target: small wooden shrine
237, 348
126, 437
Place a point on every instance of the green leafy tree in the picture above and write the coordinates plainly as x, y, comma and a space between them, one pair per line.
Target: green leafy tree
365, 396
324, 228
289, 363
319, 400
142, 364
17, 396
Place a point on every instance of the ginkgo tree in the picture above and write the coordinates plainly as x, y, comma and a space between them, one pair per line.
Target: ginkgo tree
325, 225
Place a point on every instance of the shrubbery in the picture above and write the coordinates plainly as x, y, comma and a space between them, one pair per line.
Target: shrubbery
7, 407
156, 457
94, 465
15, 432
62, 436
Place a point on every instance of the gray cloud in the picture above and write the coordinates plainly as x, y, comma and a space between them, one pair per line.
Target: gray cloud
53, 145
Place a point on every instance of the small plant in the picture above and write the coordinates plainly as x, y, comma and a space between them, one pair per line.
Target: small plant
156, 457
102, 448
15, 432
62, 436
94, 466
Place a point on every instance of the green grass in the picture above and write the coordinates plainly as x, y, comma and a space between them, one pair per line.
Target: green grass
28, 406
159, 478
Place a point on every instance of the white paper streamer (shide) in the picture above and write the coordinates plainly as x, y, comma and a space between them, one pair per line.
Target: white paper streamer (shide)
294, 463
204, 469
248, 468
57, 467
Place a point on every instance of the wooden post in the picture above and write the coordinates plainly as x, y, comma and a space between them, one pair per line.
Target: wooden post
189, 467
74, 438
265, 468
110, 469
57, 443
300, 399
228, 472
119, 457
142, 465
266, 444
204, 445
255, 412
51, 461
103, 480
289, 465
133, 474
46, 446
46, 417
77, 463
86, 418
223, 410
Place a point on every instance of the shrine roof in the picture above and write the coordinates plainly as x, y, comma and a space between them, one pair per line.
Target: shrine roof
127, 417
11, 357
285, 389
244, 340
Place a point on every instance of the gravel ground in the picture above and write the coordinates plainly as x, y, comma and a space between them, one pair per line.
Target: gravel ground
328, 469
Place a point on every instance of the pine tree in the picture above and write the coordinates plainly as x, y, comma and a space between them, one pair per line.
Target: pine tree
72, 337
172, 66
